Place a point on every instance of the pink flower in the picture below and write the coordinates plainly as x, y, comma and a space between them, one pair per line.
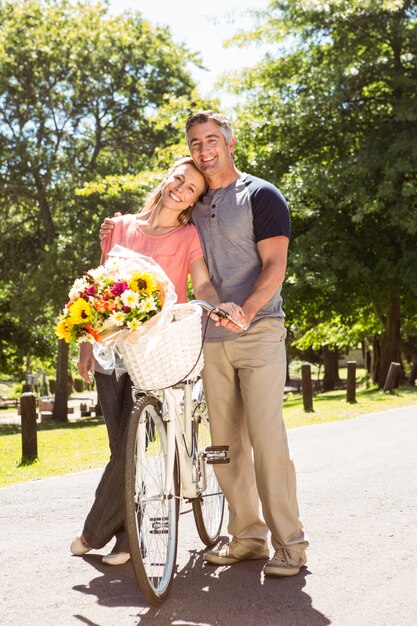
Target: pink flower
91, 291
119, 287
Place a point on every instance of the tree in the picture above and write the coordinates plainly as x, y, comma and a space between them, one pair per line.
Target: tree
332, 118
80, 92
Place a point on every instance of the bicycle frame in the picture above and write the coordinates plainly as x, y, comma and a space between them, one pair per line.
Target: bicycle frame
180, 431
169, 457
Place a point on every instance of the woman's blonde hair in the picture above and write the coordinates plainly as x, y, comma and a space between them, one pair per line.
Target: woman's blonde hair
156, 193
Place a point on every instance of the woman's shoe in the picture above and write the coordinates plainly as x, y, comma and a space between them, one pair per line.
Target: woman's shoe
79, 546
116, 558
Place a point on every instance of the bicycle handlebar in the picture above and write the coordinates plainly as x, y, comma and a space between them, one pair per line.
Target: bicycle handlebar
213, 309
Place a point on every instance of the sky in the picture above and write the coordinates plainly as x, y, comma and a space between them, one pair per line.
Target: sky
191, 22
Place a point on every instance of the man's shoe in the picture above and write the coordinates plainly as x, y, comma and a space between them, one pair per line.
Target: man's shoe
79, 546
285, 563
233, 552
116, 558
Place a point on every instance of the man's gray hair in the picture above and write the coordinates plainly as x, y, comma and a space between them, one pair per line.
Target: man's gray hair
201, 117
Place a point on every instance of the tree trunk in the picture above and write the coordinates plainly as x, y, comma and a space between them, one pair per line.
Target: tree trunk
391, 340
45, 211
60, 410
375, 359
287, 376
331, 369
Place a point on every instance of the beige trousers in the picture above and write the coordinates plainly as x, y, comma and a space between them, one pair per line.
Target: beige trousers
244, 386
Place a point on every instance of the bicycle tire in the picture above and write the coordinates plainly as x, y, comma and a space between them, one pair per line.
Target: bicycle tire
151, 519
208, 509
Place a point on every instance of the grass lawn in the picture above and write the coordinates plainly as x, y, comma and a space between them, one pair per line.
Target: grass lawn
332, 406
62, 449
82, 444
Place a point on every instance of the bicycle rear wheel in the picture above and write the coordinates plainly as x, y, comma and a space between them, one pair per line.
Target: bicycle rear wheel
208, 509
151, 516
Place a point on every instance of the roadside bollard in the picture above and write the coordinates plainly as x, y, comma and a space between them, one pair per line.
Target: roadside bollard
307, 387
29, 430
351, 382
392, 376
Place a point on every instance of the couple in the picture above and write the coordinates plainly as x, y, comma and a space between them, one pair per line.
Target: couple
243, 224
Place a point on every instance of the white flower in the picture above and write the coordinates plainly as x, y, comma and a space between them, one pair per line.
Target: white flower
149, 304
134, 324
114, 264
108, 323
130, 298
117, 318
98, 273
86, 338
79, 285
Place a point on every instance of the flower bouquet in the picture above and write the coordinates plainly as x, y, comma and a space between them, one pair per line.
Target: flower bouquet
123, 294
127, 309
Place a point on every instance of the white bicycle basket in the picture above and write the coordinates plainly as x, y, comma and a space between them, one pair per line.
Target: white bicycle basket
167, 354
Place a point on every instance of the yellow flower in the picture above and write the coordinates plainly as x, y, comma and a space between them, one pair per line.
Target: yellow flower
63, 330
80, 311
143, 282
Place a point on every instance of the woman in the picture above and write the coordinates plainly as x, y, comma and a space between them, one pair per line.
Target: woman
161, 231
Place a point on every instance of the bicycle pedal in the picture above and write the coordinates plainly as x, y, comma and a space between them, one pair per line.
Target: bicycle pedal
159, 525
216, 455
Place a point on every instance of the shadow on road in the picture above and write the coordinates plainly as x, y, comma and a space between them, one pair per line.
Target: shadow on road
115, 586
236, 595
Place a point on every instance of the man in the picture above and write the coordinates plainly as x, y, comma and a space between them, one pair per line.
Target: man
244, 226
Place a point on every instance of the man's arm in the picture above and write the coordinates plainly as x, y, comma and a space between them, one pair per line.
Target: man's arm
273, 252
204, 290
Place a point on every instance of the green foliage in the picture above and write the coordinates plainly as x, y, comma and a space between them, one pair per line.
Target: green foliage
80, 95
331, 118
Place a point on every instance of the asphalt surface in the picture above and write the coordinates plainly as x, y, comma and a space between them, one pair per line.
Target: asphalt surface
357, 484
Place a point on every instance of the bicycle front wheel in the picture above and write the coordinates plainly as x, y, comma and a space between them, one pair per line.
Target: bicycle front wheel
151, 515
208, 509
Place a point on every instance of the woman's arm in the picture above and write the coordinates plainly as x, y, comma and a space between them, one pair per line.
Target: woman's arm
204, 290
86, 361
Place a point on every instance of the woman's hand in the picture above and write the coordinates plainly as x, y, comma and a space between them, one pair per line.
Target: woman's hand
86, 361
107, 226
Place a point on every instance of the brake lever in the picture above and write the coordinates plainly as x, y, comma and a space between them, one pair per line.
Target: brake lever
225, 315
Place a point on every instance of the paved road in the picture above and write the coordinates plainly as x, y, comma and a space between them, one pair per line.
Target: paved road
358, 499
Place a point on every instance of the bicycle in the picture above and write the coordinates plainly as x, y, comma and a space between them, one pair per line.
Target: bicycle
167, 454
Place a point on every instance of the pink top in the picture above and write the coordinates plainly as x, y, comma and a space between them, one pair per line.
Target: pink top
174, 251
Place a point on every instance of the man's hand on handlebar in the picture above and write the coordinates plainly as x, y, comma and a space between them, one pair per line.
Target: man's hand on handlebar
233, 318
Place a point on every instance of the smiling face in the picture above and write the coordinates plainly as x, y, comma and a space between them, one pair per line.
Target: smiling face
210, 151
183, 186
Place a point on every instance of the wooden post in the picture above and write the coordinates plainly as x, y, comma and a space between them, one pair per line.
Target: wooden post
351, 382
98, 410
29, 431
307, 387
392, 376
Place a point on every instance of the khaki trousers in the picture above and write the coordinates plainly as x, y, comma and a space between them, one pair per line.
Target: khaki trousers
244, 385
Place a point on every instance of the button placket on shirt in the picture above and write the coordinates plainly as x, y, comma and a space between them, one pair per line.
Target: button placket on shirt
213, 205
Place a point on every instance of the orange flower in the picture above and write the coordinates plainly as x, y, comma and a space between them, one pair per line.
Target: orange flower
161, 293
100, 305
93, 332
104, 305
111, 305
